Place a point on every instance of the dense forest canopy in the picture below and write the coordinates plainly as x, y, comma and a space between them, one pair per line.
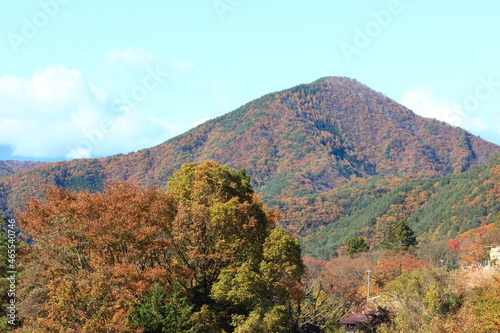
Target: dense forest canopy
332, 154
205, 256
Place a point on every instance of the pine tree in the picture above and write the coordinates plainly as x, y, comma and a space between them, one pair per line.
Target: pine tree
399, 237
159, 312
356, 245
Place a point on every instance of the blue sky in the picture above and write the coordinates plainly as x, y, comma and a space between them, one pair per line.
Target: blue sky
90, 79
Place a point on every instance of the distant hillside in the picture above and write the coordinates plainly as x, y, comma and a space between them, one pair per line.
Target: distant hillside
8, 167
439, 208
296, 144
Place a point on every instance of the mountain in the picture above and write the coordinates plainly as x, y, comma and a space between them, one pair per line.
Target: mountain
8, 167
296, 144
437, 208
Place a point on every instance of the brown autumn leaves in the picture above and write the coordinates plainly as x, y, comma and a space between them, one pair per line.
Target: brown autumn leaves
207, 239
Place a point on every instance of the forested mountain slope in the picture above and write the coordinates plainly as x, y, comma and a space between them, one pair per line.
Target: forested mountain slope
438, 208
295, 144
9, 167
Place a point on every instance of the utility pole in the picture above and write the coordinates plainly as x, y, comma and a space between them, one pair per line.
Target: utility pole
368, 293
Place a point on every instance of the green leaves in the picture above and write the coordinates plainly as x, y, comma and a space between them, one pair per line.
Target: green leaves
399, 237
356, 245
242, 288
161, 312
262, 295
282, 257
260, 320
242, 267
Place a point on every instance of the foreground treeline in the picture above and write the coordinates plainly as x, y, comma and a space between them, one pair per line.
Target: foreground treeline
206, 256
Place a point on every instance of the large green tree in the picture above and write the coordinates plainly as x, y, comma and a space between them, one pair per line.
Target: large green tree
262, 295
219, 221
399, 237
356, 245
244, 273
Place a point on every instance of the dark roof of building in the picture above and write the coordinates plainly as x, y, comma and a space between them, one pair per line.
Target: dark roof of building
358, 318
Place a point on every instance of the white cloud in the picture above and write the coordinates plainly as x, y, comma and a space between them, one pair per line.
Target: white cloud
479, 124
79, 152
424, 103
201, 121
57, 114
480, 121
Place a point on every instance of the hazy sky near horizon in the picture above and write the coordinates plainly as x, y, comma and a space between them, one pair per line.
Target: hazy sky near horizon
91, 79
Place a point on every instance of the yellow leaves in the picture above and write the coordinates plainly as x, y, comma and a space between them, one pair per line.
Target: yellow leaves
209, 183
88, 303
242, 286
260, 321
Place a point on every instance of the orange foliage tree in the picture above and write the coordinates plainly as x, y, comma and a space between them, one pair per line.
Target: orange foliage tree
96, 253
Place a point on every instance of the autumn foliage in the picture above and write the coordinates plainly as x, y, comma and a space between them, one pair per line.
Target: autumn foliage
96, 253
206, 251
298, 145
339, 160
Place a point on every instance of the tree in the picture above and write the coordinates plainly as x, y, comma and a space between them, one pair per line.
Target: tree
356, 245
399, 237
243, 272
93, 256
421, 299
219, 221
132, 260
321, 310
263, 297
159, 312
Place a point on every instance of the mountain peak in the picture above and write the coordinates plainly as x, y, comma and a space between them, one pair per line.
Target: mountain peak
333, 80
304, 140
